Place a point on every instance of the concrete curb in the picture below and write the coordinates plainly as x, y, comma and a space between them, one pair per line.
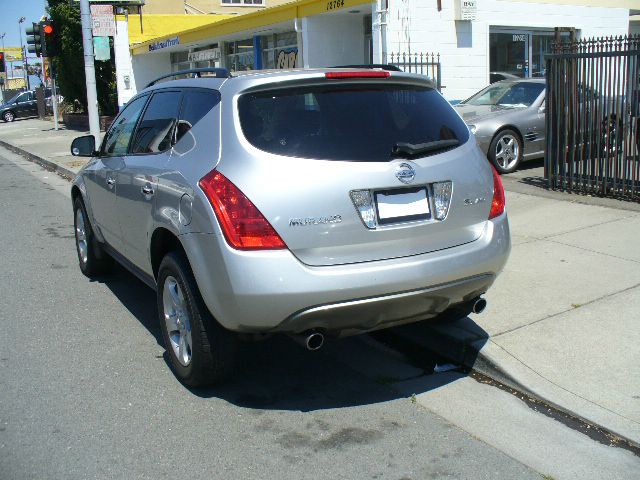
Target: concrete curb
49, 165
498, 364
463, 342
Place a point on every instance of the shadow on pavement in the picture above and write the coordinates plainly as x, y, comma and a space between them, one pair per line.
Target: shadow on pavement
136, 297
278, 374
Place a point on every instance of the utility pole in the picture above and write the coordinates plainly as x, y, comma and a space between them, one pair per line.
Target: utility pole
24, 54
4, 79
90, 70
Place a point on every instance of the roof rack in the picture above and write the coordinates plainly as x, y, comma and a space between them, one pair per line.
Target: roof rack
196, 72
381, 66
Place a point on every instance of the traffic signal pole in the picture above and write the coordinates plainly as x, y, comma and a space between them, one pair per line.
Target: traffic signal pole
54, 100
89, 70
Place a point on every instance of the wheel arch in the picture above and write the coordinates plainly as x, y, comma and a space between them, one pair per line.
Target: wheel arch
163, 241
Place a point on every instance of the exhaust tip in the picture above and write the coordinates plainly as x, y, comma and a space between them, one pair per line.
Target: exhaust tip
314, 341
479, 305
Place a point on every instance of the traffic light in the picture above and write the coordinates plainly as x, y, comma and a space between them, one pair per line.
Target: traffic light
3, 69
49, 39
34, 39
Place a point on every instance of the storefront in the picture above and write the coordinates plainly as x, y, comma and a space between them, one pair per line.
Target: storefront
473, 38
519, 52
476, 38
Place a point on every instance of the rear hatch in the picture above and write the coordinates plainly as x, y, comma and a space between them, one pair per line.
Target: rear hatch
359, 169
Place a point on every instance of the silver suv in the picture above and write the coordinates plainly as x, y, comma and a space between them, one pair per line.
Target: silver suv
315, 203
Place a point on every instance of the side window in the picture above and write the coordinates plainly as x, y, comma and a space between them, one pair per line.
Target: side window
116, 142
195, 105
23, 98
155, 131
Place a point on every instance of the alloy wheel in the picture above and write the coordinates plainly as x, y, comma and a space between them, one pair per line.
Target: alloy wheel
176, 319
81, 236
507, 151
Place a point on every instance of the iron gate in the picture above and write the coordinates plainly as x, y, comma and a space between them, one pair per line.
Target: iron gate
592, 128
423, 63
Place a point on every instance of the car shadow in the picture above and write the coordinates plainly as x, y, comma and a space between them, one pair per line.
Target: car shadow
530, 173
278, 374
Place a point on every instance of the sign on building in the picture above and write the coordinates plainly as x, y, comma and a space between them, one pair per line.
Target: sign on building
287, 58
104, 23
169, 42
465, 9
204, 55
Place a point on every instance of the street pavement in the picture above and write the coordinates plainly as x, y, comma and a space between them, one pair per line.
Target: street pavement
560, 325
85, 391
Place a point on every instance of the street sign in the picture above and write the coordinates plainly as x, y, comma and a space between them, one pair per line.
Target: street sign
103, 21
101, 48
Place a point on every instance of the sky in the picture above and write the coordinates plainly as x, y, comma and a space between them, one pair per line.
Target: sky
10, 13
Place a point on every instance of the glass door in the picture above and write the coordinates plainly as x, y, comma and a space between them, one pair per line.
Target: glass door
518, 53
509, 54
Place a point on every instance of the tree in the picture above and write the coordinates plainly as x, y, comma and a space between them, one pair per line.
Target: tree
69, 64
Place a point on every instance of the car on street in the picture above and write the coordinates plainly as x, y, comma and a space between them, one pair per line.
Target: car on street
21, 105
508, 121
497, 76
314, 203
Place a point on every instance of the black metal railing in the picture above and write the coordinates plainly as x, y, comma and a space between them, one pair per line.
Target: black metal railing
423, 63
592, 112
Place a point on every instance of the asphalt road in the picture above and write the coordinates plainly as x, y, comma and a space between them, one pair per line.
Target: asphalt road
85, 391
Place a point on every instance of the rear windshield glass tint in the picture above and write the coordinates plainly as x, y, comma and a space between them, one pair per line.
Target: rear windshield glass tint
342, 122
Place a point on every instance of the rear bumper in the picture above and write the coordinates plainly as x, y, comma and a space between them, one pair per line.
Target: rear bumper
273, 291
368, 314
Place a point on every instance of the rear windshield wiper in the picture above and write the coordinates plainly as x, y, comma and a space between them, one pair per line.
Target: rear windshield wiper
402, 148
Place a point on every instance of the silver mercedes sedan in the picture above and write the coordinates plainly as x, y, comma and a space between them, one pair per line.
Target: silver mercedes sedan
507, 119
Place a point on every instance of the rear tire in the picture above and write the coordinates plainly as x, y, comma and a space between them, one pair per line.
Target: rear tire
201, 352
93, 260
505, 151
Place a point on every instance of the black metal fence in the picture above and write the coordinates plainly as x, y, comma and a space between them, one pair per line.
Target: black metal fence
423, 63
593, 116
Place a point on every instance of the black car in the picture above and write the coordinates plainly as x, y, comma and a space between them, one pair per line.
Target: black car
23, 104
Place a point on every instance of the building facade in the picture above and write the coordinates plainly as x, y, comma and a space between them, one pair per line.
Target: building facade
472, 37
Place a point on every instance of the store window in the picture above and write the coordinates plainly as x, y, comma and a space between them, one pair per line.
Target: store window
239, 55
201, 57
280, 50
518, 53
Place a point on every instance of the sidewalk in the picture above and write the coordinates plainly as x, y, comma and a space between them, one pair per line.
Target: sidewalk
46, 146
562, 319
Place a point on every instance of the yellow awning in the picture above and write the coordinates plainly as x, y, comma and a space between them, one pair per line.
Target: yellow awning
247, 22
155, 26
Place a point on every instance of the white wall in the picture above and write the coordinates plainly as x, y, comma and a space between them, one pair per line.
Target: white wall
331, 40
123, 63
147, 68
464, 46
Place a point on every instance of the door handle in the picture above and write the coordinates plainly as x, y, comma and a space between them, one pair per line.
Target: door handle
147, 190
111, 182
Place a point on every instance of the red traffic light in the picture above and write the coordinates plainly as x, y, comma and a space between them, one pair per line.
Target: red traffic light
1, 56
48, 29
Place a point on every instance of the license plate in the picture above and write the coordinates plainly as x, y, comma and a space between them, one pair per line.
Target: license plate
402, 205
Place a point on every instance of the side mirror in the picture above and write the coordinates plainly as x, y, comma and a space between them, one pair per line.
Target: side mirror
542, 109
83, 146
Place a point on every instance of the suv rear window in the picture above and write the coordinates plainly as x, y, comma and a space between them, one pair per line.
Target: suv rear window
348, 122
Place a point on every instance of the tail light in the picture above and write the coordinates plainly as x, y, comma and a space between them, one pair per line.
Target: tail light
243, 226
498, 202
